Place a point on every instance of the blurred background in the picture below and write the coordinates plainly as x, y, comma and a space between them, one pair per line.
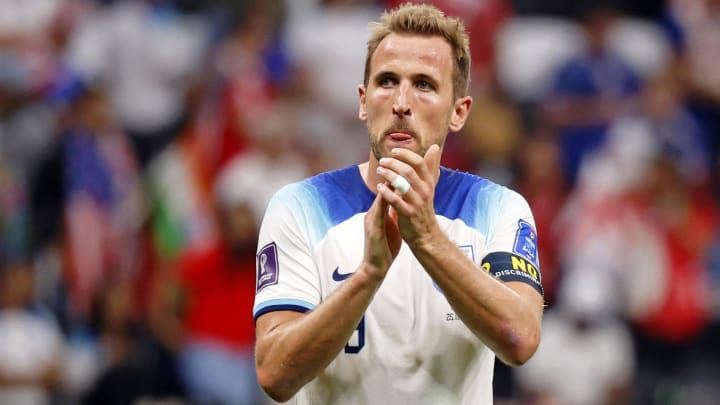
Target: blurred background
141, 139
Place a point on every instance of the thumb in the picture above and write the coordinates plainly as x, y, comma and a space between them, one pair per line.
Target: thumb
392, 232
432, 158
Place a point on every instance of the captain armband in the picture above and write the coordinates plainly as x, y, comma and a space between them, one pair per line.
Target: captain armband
507, 266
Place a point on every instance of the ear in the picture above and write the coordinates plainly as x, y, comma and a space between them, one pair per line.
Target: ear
460, 113
362, 114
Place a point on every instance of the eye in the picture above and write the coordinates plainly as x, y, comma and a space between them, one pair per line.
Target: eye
386, 82
424, 85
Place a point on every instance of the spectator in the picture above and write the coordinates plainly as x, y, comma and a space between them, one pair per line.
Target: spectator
215, 287
27, 127
680, 134
31, 346
633, 201
103, 204
589, 91
145, 52
270, 163
132, 365
541, 181
586, 354
331, 62
251, 64
698, 36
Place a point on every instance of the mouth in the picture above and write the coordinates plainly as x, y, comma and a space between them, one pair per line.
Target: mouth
400, 139
396, 136
400, 135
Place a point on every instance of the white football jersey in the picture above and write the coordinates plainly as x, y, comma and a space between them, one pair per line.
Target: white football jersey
410, 346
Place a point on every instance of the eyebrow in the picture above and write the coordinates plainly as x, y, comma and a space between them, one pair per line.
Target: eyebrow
415, 77
384, 73
422, 76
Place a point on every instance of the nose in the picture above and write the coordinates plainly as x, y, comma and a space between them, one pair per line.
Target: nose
401, 107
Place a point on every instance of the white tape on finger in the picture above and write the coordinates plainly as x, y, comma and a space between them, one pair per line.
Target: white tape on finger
401, 184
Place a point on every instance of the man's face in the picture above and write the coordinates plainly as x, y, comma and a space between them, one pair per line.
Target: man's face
408, 101
239, 229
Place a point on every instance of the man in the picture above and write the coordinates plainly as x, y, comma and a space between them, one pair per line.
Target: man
31, 345
370, 293
215, 360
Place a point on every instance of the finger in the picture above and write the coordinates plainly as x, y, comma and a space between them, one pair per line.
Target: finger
398, 167
392, 232
378, 211
409, 163
407, 156
380, 237
432, 159
390, 168
392, 198
399, 183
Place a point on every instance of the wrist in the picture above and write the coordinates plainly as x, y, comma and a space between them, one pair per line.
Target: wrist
369, 276
429, 241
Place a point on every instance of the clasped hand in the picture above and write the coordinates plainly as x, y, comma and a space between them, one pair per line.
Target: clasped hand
394, 216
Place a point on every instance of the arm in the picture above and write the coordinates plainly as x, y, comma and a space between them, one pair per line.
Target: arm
505, 316
293, 348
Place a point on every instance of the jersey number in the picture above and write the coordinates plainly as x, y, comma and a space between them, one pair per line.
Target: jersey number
357, 340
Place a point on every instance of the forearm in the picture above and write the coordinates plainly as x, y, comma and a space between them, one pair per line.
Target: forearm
290, 354
505, 320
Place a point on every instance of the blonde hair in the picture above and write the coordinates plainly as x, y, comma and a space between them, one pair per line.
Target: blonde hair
424, 19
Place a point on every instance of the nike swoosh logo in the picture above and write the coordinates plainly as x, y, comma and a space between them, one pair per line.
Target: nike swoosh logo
340, 277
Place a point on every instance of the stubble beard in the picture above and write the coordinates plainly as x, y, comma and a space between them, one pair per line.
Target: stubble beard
375, 147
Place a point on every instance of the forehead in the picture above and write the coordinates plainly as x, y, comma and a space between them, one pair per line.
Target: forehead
429, 54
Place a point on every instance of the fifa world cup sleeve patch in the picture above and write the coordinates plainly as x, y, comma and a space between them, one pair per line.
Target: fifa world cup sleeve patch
507, 266
267, 266
526, 242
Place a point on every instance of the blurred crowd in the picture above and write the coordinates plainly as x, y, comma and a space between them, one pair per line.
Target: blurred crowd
141, 139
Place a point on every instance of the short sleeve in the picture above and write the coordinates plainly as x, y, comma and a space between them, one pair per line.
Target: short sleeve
286, 275
512, 244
